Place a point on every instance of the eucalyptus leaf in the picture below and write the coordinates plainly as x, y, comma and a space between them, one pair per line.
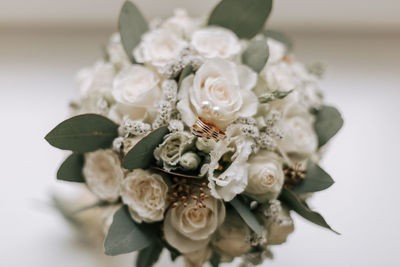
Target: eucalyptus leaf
176, 174
83, 133
247, 216
132, 25
215, 259
71, 169
184, 73
327, 123
279, 36
256, 55
296, 204
316, 180
125, 236
268, 97
141, 155
149, 256
246, 18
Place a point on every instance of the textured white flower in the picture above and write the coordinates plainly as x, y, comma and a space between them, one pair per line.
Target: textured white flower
103, 174
265, 176
96, 80
299, 135
216, 42
232, 237
159, 47
145, 194
136, 91
219, 92
277, 51
180, 23
116, 52
232, 154
190, 228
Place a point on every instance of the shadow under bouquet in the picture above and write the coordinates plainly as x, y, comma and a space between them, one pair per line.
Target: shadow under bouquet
199, 136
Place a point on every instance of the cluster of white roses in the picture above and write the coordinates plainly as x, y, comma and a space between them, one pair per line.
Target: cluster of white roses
263, 132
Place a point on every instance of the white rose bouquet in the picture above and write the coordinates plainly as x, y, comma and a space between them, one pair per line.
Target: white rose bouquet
204, 135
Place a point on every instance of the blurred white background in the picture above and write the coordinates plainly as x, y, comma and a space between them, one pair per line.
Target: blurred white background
44, 42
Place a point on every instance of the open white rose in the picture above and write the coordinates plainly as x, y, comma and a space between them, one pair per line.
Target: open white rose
219, 92
180, 23
145, 194
299, 136
233, 152
103, 174
159, 47
265, 176
216, 42
189, 228
277, 51
136, 91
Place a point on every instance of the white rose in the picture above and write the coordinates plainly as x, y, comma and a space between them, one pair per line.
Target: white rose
116, 52
103, 174
277, 51
265, 176
233, 152
232, 237
299, 136
159, 47
136, 91
181, 24
190, 228
219, 92
280, 76
145, 194
96, 80
215, 42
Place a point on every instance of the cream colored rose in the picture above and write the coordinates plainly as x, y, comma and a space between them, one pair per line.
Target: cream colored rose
232, 237
277, 51
96, 80
145, 194
219, 92
189, 228
198, 257
216, 42
299, 136
159, 47
136, 91
103, 174
265, 176
180, 23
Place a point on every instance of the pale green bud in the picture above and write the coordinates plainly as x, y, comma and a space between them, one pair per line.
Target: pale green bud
189, 161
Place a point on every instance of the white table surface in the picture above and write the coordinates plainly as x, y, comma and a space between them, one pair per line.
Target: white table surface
363, 80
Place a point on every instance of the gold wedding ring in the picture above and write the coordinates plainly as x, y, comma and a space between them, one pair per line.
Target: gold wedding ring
205, 129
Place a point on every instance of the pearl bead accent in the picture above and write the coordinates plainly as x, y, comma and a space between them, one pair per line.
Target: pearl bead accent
206, 106
216, 111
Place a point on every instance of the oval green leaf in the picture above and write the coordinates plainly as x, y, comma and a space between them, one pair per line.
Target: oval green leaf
141, 155
294, 203
149, 256
132, 25
125, 236
256, 54
327, 123
71, 169
246, 18
316, 180
281, 37
247, 215
83, 133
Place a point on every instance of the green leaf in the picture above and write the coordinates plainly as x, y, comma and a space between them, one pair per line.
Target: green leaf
176, 174
301, 208
132, 25
149, 256
328, 122
83, 133
125, 236
247, 215
184, 73
215, 259
141, 155
71, 169
246, 18
256, 55
279, 36
316, 180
